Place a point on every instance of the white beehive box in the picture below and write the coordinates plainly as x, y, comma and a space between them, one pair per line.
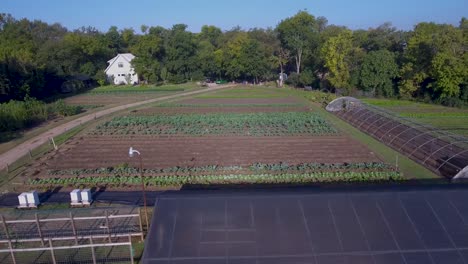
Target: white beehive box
33, 198
75, 196
86, 197
23, 200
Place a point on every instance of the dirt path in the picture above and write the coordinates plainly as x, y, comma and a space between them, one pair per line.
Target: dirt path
21, 150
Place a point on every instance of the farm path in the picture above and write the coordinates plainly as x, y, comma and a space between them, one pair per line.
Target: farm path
22, 149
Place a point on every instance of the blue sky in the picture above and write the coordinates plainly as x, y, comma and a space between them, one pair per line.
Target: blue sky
102, 14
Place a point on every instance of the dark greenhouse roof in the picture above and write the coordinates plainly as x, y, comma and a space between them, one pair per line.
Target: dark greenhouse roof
423, 225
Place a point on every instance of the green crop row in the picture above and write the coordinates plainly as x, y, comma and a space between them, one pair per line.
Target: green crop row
435, 115
135, 91
228, 105
257, 124
256, 167
318, 177
318, 166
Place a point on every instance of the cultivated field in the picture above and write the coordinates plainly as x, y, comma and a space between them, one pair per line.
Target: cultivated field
239, 135
108, 96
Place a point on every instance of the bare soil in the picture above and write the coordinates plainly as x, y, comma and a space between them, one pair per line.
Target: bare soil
161, 152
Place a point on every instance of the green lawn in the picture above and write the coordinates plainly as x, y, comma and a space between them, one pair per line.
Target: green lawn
451, 119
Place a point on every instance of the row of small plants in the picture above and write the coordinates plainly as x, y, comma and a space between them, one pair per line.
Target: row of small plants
227, 105
134, 91
435, 114
124, 169
317, 177
256, 124
319, 166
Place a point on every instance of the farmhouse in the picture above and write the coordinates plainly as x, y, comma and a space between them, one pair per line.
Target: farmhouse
120, 69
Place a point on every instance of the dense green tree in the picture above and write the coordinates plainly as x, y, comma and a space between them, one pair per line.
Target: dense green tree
335, 52
180, 54
299, 34
378, 71
434, 61
211, 34
149, 54
431, 61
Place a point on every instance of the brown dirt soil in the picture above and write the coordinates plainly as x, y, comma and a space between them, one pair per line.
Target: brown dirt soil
205, 110
241, 101
161, 152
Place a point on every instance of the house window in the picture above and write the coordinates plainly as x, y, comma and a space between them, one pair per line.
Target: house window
120, 64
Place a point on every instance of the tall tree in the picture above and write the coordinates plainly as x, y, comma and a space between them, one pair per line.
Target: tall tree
378, 71
181, 53
434, 61
299, 34
335, 53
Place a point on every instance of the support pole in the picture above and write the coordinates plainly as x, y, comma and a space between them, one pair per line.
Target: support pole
396, 162
72, 221
9, 240
52, 253
13, 258
108, 227
131, 249
93, 254
39, 231
141, 225
53, 142
144, 193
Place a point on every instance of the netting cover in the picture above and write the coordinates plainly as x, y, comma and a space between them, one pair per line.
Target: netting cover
343, 103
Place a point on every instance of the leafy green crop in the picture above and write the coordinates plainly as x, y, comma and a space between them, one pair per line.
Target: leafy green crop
317, 177
255, 124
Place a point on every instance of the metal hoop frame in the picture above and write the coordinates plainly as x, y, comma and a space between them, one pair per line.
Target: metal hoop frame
449, 145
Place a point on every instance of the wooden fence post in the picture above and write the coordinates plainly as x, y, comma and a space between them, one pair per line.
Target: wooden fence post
39, 231
72, 221
131, 249
141, 225
53, 142
93, 254
52, 253
7, 234
108, 227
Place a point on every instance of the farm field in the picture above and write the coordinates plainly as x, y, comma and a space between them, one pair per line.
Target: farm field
218, 139
98, 99
450, 119
109, 96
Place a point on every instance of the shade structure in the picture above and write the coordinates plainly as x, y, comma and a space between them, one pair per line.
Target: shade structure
390, 225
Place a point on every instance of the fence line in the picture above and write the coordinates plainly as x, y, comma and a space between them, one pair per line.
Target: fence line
55, 251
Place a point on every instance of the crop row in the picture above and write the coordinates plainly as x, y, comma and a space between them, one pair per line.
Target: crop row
256, 167
318, 177
435, 115
229, 105
256, 124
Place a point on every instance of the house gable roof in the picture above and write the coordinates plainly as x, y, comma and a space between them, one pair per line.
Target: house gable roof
126, 56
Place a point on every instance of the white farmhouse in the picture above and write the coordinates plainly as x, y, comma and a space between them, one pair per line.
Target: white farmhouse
120, 69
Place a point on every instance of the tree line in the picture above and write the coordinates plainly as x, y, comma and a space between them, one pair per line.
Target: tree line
429, 62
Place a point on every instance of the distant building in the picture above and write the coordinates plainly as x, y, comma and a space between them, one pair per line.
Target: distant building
120, 70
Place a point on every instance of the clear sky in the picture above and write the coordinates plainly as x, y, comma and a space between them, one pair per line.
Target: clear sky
226, 14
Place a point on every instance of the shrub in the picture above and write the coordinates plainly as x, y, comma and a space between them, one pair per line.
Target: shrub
62, 109
16, 115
